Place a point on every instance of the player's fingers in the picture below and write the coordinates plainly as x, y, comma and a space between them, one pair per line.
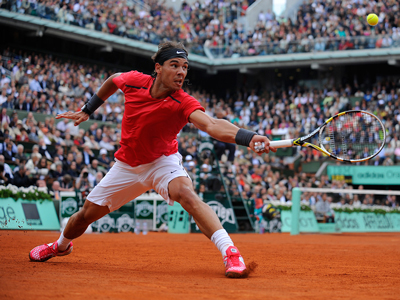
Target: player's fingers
273, 149
67, 115
79, 121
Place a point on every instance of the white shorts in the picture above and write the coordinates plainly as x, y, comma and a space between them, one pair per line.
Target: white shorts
124, 183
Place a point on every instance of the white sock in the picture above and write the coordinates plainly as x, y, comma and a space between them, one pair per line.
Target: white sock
63, 242
222, 240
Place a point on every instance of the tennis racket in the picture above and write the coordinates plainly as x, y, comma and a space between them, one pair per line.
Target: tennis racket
350, 136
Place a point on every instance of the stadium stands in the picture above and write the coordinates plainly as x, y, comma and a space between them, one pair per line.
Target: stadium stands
214, 25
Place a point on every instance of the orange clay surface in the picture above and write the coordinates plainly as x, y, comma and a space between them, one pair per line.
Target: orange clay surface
176, 266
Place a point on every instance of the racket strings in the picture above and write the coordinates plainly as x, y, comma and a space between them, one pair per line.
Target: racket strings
353, 136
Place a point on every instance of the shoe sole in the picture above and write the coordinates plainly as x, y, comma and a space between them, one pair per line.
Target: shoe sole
236, 275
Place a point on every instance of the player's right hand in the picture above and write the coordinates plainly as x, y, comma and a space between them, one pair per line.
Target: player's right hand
78, 116
257, 140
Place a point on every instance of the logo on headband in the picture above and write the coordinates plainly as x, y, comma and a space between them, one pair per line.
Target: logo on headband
169, 54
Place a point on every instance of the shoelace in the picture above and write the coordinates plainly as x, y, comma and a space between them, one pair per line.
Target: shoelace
234, 259
47, 249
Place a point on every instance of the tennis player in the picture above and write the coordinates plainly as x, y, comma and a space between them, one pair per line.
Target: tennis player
156, 109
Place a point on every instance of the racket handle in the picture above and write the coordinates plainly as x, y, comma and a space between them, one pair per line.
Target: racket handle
281, 144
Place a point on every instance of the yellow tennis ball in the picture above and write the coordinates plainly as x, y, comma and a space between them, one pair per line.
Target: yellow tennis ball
372, 19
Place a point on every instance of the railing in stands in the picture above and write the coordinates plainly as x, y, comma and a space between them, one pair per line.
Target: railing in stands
322, 44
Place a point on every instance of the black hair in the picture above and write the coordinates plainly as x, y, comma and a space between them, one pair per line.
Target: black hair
164, 47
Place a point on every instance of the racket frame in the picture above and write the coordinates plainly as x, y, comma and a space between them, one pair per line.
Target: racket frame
302, 140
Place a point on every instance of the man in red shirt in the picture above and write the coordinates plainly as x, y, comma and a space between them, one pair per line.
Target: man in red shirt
156, 109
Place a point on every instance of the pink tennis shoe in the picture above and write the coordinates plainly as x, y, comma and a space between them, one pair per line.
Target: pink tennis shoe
47, 251
234, 263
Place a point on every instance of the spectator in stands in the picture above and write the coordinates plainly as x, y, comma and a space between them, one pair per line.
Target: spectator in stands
99, 176
79, 162
104, 160
33, 162
73, 171
5, 177
55, 188
43, 168
67, 140
7, 167
43, 149
106, 143
8, 153
4, 118
3, 146
58, 173
20, 156
67, 184
88, 155
82, 183
323, 210
59, 153
93, 168
68, 161
21, 177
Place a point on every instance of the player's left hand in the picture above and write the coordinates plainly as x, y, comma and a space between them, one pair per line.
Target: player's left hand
257, 140
78, 116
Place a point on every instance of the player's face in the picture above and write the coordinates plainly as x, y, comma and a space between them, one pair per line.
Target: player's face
173, 72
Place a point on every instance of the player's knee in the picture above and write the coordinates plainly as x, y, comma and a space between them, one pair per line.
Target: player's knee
188, 199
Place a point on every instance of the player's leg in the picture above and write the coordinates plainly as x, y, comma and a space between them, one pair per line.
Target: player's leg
169, 178
181, 190
120, 185
80, 221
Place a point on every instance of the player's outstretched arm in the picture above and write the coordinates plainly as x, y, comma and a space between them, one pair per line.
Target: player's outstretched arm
225, 131
106, 90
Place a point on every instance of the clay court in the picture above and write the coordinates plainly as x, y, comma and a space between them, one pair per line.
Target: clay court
176, 266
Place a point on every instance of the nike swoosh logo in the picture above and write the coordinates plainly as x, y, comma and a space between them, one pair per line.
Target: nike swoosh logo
177, 52
174, 171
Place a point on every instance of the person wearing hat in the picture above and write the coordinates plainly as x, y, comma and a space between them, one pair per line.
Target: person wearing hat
103, 159
188, 158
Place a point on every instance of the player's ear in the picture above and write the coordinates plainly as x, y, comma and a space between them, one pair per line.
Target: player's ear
158, 68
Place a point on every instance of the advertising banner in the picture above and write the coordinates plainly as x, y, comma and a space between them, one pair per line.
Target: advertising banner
71, 202
178, 219
375, 175
367, 222
225, 214
28, 215
307, 221
115, 222
161, 213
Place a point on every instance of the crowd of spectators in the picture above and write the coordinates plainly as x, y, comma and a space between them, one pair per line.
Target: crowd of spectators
319, 25
62, 154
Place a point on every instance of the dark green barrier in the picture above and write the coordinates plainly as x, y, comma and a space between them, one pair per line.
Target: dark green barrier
225, 213
115, 222
42, 117
71, 202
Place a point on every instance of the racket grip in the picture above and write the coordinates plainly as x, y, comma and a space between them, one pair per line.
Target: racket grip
281, 144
